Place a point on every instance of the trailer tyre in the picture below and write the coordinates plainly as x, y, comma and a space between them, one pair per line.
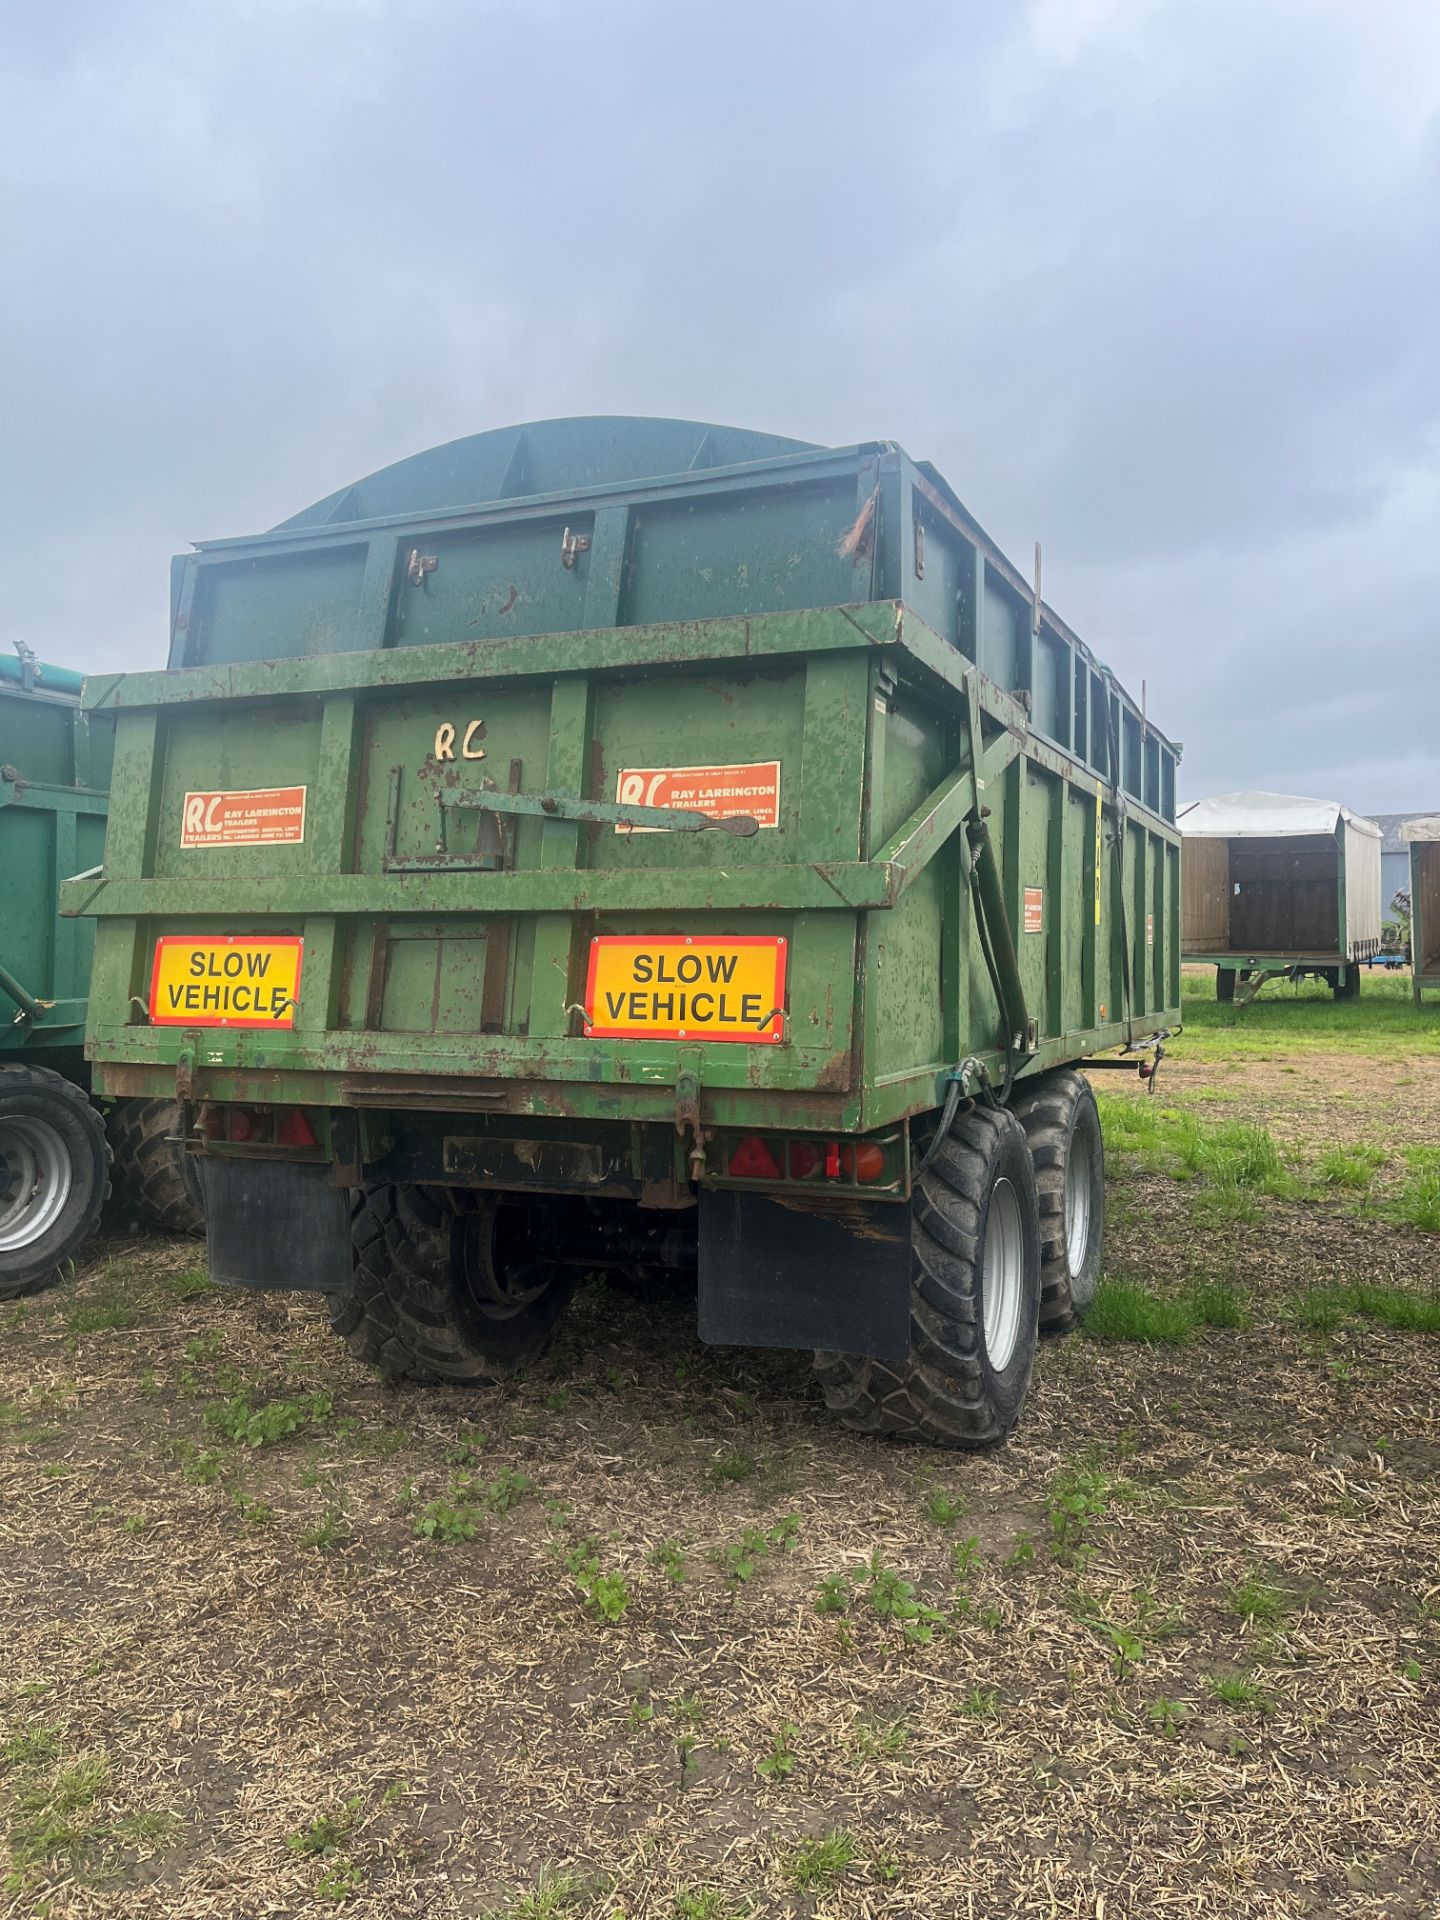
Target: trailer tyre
54, 1176
1062, 1125
1345, 982
154, 1176
974, 1299
1224, 983
445, 1291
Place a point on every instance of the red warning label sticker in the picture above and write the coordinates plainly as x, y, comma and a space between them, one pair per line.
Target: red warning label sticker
751, 788
250, 817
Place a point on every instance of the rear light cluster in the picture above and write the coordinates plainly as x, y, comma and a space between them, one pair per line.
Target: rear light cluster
259, 1126
850, 1163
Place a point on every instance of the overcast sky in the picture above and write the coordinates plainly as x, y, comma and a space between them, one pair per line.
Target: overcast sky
1158, 284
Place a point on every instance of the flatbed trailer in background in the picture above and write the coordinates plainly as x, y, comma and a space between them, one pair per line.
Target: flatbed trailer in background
623, 843
1275, 886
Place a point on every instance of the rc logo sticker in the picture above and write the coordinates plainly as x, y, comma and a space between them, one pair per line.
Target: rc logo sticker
247, 817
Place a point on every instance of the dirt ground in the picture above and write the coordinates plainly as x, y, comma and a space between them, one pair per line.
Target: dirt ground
1173, 1649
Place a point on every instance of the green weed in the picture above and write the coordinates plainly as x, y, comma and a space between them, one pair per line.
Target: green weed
328, 1533
243, 1425
670, 1560
894, 1598
1166, 1715
884, 1740
341, 1880
704, 1903
835, 1594
446, 1523
1081, 1496
606, 1594
779, 1763
201, 1466
740, 1558
965, 1557
327, 1831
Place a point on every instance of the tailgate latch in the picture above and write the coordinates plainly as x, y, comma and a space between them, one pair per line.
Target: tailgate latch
687, 1119
571, 545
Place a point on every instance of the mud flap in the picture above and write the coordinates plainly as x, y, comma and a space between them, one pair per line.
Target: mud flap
783, 1273
276, 1225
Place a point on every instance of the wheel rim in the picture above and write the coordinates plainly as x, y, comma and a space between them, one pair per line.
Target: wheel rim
1004, 1274
502, 1276
35, 1181
1079, 1166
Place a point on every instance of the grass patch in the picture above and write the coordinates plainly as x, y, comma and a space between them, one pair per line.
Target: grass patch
552, 1894
56, 1820
819, 1863
1325, 1308
1258, 1602
943, 1509
1124, 1310
1234, 1162
1418, 1202
1215, 1303
1239, 1690
1350, 1167
1304, 1018
110, 1313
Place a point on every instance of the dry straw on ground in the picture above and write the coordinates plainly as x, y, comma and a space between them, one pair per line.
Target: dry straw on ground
213, 1646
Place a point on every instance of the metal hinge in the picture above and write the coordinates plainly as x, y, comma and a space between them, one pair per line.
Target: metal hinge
419, 565
572, 544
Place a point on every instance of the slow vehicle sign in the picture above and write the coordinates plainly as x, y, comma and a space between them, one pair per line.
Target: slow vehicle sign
679, 987
230, 981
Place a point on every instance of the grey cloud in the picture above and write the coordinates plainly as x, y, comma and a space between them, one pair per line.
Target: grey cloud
1154, 282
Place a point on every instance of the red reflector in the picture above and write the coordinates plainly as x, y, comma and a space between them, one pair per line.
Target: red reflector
832, 1159
241, 1125
295, 1130
753, 1160
804, 1160
865, 1162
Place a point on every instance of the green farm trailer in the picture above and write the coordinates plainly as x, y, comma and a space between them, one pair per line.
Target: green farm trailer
620, 843
1423, 834
54, 1156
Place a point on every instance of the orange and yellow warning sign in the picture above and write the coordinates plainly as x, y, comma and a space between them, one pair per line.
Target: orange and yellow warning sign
229, 980
250, 817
